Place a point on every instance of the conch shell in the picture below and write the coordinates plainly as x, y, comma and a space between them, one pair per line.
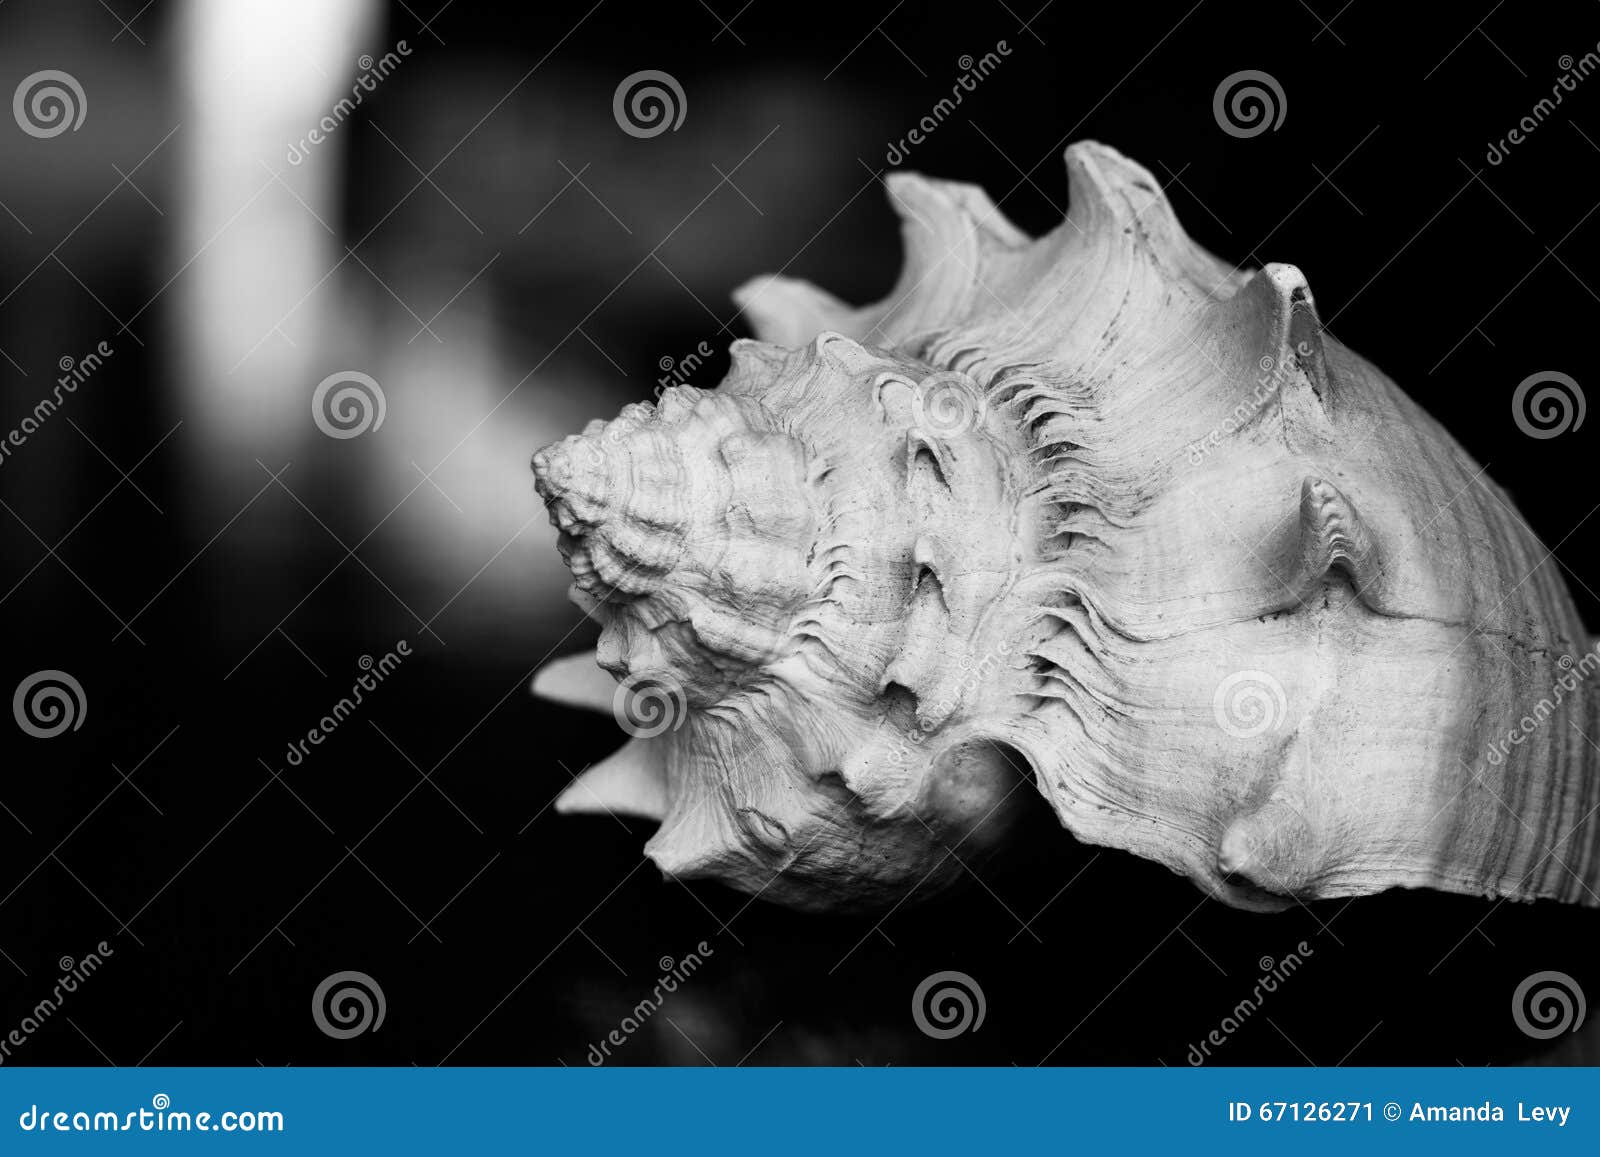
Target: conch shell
1095, 514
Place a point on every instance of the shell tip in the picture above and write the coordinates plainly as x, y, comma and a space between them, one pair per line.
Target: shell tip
1294, 335
1107, 188
577, 681
629, 782
789, 312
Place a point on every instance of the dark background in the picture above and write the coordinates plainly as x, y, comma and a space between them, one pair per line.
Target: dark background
418, 845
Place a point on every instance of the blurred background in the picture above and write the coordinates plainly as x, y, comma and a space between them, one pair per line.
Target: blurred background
208, 240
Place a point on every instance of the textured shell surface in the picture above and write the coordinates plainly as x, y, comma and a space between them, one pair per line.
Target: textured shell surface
1095, 515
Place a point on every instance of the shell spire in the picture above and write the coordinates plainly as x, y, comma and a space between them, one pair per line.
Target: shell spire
1095, 517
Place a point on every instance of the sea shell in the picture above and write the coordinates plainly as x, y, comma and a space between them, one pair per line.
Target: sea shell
1095, 514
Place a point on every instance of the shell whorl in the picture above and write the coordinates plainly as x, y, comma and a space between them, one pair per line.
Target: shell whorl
1096, 511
